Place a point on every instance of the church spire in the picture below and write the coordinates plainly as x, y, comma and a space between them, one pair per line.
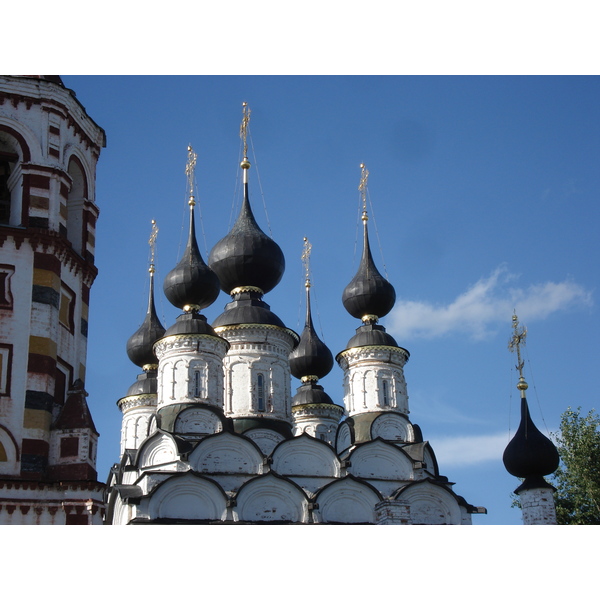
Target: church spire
311, 359
139, 345
246, 260
191, 285
369, 296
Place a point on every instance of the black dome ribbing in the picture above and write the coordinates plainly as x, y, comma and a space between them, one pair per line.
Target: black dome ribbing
369, 293
139, 345
246, 256
530, 454
311, 393
311, 357
191, 282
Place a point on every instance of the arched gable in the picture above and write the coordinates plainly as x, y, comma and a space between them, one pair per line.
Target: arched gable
392, 426
305, 455
380, 460
271, 498
198, 420
430, 503
347, 501
266, 439
226, 453
190, 497
158, 450
345, 436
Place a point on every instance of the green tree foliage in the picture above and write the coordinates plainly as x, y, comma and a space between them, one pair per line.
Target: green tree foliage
577, 479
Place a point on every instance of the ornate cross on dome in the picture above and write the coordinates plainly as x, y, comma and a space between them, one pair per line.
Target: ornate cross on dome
152, 244
244, 133
306, 261
190, 168
362, 187
514, 345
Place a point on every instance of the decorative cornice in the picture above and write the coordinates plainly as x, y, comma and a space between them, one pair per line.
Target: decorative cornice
45, 240
352, 352
129, 402
189, 341
62, 110
258, 326
318, 409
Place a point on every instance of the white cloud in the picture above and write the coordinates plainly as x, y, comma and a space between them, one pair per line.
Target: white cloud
489, 302
469, 450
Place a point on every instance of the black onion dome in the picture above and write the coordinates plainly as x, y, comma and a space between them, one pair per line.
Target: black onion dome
139, 345
311, 393
311, 357
369, 293
146, 383
530, 454
191, 283
246, 256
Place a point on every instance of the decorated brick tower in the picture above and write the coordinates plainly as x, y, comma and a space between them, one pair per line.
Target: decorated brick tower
49, 148
211, 433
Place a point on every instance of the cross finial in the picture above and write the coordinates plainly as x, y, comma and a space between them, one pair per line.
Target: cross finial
190, 168
244, 133
152, 243
362, 187
306, 261
514, 345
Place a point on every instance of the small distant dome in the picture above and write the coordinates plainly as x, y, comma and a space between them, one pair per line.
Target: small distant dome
530, 454
369, 295
371, 334
146, 383
311, 393
139, 345
191, 283
246, 256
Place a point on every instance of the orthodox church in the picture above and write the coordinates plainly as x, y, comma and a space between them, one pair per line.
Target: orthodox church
212, 432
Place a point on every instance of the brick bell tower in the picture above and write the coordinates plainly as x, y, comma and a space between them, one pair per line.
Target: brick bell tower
49, 148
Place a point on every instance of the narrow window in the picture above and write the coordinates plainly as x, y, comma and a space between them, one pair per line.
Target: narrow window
5, 368
6, 299
66, 310
4, 192
196, 384
386, 392
260, 392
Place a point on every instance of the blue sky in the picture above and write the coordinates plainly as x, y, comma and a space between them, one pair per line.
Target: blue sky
483, 198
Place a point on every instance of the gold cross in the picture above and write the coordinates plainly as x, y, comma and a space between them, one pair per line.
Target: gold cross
306, 260
152, 243
518, 338
244, 126
190, 168
362, 186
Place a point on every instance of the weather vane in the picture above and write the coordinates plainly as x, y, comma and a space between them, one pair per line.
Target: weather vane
514, 345
306, 260
189, 171
362, 187
152, 243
